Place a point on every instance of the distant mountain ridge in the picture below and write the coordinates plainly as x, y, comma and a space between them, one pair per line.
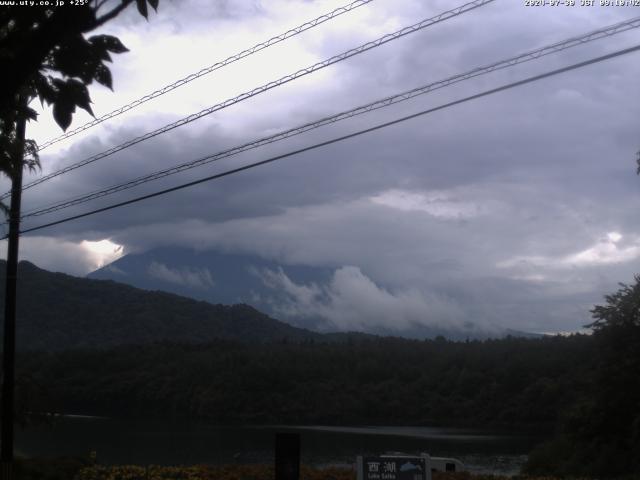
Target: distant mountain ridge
206, 275
57, 311
264, 284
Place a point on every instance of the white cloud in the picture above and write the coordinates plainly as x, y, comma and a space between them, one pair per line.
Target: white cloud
304, 295
606, 251
352, 301
76, 258
190, 277
437, 203
116, 270
102, 252
614, 237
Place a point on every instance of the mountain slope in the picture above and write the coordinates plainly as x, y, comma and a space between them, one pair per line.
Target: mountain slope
304, 296
214, 277
58, 311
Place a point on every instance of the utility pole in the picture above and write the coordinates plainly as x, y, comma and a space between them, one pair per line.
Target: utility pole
9, 351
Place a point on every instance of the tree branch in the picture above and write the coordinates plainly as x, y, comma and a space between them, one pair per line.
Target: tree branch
99, 4
112, 14
30, 54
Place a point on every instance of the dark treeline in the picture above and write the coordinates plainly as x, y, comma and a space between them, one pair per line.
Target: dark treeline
230, 365
509, 382
599, 433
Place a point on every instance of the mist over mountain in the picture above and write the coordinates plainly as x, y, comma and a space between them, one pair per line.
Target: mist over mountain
317, 298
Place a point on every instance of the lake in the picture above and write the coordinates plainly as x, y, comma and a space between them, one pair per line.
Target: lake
167, 443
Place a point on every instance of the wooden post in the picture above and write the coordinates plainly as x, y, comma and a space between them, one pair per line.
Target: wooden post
287, 456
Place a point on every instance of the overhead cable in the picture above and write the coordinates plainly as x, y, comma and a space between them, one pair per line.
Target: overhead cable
211, 68
508, 86
273, 84
385, 102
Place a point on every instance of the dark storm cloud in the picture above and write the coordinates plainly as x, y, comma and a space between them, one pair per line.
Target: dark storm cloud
499, 209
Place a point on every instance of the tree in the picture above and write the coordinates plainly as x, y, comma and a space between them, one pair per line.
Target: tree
44, 54
617, 378
48, 56
51, 38
622, 309
600, 433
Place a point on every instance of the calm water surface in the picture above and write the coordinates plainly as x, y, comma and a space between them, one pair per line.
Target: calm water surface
166, 443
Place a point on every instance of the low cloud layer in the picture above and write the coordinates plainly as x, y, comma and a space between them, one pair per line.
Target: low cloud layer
351, 301
515, 209
199, 278
69, 256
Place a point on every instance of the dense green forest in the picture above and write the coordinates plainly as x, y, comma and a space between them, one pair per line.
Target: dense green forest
238, 366
584, 390
506, 382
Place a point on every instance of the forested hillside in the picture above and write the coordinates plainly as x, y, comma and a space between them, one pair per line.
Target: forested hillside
58, 311
165, 356
384, 381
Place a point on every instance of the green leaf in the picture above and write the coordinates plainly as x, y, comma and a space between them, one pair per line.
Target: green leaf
76, 58
100, 49
62, 112
46, 93
103, 76
71, 93
79, 94
31, 159
109, 42
31, 114
85, 104
142, 7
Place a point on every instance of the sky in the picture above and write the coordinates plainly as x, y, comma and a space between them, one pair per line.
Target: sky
517, 209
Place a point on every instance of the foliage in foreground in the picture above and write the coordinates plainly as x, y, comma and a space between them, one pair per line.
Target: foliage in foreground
600, 434
240, 472
78, 469
61, 468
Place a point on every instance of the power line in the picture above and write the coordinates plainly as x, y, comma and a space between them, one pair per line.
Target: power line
205, 71
385, 102
508, 86
276, 83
